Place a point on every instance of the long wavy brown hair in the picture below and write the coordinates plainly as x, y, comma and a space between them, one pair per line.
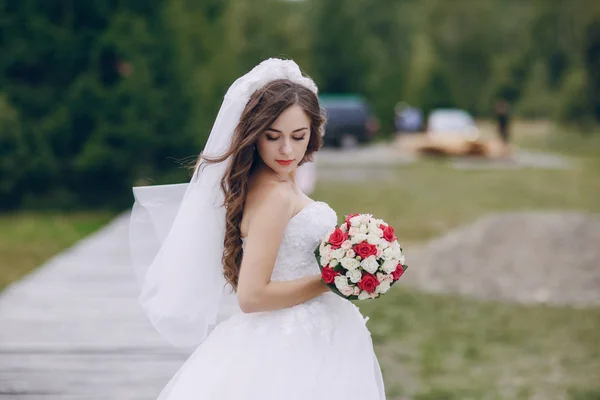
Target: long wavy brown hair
261, 111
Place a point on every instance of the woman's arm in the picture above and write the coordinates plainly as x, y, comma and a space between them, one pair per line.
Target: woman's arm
256, 292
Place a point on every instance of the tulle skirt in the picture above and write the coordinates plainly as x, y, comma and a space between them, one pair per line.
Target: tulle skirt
320, 349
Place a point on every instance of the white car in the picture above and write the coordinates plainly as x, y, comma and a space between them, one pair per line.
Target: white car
453, 123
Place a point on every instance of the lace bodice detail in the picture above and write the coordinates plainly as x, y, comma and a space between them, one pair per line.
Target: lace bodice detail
304, 232
295, 258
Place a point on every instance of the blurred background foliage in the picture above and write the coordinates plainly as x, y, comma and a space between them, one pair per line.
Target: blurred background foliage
95, 95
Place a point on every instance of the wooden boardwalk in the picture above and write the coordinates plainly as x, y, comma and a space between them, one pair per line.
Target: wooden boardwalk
73, 329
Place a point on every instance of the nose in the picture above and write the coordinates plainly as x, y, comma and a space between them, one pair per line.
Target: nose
286, 147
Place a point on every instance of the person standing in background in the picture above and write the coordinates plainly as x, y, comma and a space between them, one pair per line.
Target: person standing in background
407, 119
502, 117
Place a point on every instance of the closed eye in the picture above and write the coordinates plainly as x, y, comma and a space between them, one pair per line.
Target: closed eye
275, 138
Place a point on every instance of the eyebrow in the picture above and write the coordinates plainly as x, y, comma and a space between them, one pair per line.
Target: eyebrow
297, 130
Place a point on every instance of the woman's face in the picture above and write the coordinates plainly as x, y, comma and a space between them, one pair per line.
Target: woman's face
283, 145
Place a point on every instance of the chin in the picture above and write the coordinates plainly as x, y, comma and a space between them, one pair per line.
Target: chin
284, 169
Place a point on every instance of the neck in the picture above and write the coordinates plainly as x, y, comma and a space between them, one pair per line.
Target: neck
265, 171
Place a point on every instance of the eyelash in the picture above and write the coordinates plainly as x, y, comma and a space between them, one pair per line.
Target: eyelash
296, 139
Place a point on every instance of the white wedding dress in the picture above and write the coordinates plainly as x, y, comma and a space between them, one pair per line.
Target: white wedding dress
320, 349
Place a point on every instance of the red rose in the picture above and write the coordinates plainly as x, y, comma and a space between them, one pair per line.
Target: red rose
364, 249
337, 238
328, 275
398, 272
368, 283
388, 233
348, 218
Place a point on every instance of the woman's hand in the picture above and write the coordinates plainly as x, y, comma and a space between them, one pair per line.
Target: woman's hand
323, 284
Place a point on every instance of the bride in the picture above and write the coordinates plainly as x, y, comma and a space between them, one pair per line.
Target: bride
232, 269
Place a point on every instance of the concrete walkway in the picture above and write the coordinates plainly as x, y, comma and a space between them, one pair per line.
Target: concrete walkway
73, 329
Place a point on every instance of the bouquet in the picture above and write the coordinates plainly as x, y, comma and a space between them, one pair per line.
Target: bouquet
360, 259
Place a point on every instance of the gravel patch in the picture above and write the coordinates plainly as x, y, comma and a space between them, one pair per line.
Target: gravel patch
526, 257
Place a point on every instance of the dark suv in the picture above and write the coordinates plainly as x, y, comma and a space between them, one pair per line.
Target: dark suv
349, 120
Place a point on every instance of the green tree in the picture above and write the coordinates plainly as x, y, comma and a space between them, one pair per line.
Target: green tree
97, 95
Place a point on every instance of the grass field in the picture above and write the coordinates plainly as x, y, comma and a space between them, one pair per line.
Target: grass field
433, 347
449, 348
28, 239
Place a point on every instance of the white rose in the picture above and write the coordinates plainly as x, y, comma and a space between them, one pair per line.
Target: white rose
402, 259
344, 228
347, 291
375, 229
365, 218
341, 282
354, 275
338, 254
363, 295
374, 295
350, 263
388, 253
395, 245
346, 245
397, 254
333, 262
363, 229
359, 237
350, 254
389, 266
324, 249
355, 221
383, 287
370, 264
373, 238
383, 244
356, 290
352, 231
325, 260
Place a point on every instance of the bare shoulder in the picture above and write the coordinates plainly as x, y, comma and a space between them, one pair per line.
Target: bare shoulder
276, 196
267, 202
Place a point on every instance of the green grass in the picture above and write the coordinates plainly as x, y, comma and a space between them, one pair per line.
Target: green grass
585, 144
428, 198
28, 239
457, 348
435, 347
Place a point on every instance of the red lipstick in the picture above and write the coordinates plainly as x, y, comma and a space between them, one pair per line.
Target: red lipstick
284, 162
